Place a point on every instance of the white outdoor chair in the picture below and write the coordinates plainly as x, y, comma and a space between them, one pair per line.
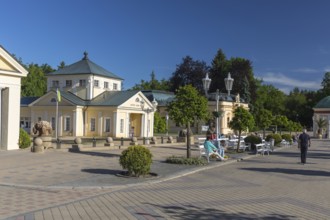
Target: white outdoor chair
204, 153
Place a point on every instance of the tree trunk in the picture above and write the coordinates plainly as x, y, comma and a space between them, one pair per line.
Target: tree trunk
188, 140
239, 140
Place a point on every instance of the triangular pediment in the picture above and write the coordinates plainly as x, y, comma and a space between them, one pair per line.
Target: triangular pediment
135, 102
5, 65
49, 99
10, 66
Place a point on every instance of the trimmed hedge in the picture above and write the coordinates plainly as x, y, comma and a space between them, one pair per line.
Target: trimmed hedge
287, 137
277, 138
253, 140
186, 161
137, 160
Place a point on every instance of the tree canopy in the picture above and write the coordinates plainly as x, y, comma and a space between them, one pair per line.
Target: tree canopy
187, 107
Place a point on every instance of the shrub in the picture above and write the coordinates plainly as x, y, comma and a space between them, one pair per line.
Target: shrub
24, 139
253, 140
287, 137
137, 160
277, 138
186, 161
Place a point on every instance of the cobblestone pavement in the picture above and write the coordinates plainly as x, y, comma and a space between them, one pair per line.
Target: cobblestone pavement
257, 187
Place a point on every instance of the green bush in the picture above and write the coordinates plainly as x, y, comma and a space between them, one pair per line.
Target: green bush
24, 139
186, 161
277, 138
137, 160
253, 140
287, 137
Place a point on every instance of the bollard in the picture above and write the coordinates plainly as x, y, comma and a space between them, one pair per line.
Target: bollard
58, 143
122, 141
94, 142
144, 140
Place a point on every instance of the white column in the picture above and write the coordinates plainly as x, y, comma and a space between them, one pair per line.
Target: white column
100, 127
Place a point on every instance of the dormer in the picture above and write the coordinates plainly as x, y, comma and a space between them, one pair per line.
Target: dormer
84, 78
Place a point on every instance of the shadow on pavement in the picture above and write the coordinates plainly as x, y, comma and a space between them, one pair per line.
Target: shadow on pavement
94, 153
194, 212
102, 171
290, 171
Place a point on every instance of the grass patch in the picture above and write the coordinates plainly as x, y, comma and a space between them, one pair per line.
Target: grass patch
186, 161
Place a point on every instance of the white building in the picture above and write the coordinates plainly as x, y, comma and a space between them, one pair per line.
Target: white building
11, 73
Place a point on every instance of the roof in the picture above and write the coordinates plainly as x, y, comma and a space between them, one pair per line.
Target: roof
85, 66
324, 103
107, 98
25, 101
112, 98
162, 97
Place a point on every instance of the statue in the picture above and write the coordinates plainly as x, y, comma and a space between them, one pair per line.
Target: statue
42, 128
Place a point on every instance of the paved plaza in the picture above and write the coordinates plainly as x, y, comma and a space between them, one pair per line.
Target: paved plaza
63, 185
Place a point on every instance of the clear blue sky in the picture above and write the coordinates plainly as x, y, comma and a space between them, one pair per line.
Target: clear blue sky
288, 41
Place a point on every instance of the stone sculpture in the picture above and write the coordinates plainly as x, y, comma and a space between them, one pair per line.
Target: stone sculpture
42, 128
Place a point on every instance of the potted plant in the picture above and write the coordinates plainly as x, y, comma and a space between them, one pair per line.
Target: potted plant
321, 124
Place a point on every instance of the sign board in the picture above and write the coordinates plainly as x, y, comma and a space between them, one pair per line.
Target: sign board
205, 128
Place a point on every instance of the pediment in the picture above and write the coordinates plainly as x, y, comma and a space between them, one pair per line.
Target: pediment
135, 102
49, 99
10, 66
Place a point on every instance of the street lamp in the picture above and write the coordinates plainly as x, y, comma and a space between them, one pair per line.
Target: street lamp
148, 110
229, 84
167, 124
206, 83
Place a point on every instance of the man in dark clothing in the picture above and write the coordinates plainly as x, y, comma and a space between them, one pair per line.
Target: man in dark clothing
304, 143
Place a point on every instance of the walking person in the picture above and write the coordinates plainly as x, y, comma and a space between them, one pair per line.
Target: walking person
304, 142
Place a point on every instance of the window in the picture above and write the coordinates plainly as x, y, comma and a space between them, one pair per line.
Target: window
96, 83
68, 83
82, 82
67, 123
53, 123
107, 125
106, 85
115, 86
121, 125
92, 124
55, 83
25, 122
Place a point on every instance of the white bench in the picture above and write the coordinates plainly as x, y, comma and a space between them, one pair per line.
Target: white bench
264, 147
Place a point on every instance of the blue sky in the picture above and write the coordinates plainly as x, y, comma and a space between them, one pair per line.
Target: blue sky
287, 40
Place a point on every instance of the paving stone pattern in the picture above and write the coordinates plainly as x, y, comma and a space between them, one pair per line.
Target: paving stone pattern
257, 187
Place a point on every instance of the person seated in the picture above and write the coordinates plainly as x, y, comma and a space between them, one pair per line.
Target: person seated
211, 149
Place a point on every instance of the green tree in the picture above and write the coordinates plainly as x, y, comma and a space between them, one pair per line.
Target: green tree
187, 107
35, 84
280, 121
263, 120
62, 65
189, 72
153, 84
241, 70
270, 98
159, 124
241, 121
295, 105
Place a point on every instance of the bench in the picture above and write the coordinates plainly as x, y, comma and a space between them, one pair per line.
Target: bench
264, 147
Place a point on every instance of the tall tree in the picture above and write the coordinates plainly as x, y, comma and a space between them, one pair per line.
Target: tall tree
187, 107
35, 84
270, 98
263, 119
153, 84
241, 121
189, 72
218, 72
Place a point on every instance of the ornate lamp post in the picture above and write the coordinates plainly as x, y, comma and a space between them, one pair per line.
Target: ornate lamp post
229, 84
206, 83
149, 110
